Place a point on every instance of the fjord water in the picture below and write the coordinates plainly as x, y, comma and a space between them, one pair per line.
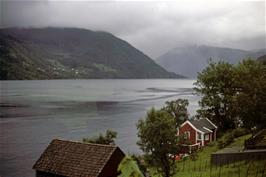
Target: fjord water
35, 112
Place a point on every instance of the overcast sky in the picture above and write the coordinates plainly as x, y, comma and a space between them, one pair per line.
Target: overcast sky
154, 27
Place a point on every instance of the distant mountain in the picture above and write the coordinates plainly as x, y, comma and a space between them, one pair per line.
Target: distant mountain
69, 53
188, 61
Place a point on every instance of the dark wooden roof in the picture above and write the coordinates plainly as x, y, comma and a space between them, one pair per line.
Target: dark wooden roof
74, 159
201, 123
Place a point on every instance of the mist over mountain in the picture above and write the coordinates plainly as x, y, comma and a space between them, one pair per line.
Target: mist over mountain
69, 53
190, 60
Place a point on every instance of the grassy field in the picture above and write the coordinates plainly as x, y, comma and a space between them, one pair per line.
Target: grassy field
201, 166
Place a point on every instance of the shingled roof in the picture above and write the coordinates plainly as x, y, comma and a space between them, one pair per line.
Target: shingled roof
203, 125
74, 159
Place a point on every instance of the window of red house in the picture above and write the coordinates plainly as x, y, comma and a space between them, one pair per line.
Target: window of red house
199, 136
207, 137
186, 134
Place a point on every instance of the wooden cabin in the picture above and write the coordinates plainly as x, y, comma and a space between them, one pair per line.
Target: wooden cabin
74, 159
198, 132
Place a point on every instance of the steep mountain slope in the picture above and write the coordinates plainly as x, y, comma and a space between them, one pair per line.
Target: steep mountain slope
188, 61
56, 53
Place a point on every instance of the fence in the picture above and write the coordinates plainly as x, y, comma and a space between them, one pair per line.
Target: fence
203, 168
225, 158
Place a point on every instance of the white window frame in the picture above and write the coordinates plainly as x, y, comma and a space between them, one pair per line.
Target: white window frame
207, 137
198, 136
187, 134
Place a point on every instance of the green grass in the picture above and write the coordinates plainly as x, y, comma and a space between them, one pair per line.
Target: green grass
238, 169
240, 141
201, 167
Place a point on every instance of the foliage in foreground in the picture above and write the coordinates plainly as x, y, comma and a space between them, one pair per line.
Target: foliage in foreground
158, 140
108, 138
129, 168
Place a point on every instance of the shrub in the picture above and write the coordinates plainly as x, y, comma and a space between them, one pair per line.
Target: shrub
194, 156
229, 136
225, 140
240, 132
140, 162
212, 143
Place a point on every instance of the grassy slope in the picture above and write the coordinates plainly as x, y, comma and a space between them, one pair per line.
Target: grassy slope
201, 167
206, 152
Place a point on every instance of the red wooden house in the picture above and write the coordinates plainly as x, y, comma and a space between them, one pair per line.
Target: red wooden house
198, 132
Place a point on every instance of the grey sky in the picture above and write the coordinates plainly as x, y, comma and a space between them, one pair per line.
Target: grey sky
151, 26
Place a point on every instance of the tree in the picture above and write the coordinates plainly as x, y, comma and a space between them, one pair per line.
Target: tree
216, 86
158, 140
178, 109
129, 168
108, 138
251, 94
141, 163
233, 94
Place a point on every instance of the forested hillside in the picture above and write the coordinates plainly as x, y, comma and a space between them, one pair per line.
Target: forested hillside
70, 53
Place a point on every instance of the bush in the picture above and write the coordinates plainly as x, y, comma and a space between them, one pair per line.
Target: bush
212, 143
194, 156
240, 132
225, 140
140, 162
229, 136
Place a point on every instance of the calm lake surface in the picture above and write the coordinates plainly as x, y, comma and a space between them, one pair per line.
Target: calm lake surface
32, 113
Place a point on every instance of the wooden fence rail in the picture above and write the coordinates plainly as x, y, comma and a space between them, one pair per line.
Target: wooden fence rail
225, 158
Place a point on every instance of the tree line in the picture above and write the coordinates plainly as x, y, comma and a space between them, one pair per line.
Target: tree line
233, 95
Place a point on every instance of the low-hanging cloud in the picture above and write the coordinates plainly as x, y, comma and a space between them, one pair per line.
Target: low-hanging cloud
153, 27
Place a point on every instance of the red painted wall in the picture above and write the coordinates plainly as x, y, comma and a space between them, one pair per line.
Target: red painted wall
206, 142
193, 134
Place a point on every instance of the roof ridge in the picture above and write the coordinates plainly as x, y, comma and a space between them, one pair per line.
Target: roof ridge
78, 142
89, 151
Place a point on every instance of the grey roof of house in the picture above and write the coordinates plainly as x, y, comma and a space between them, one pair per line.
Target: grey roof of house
201, 123
74, 159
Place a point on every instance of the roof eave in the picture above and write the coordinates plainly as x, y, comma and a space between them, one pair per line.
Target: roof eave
187, 121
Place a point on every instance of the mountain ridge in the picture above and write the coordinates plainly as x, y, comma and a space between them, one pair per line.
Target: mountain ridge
72, 53
190, 60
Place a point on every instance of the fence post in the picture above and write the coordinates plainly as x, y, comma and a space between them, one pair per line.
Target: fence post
189, 165
263, 169
257, 168
238, 170
249, 164
183, 165
220, 171
210, 170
